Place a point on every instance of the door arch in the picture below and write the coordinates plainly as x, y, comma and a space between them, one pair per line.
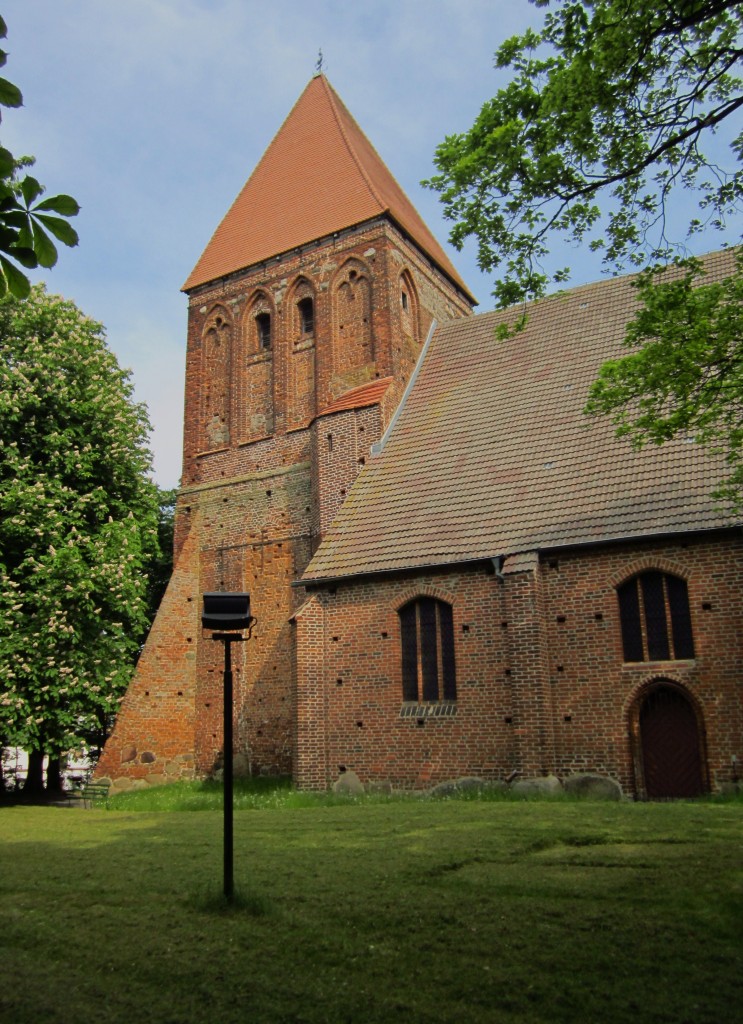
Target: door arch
670, 743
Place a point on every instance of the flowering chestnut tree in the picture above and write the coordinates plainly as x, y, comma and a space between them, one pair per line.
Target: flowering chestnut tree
78, 526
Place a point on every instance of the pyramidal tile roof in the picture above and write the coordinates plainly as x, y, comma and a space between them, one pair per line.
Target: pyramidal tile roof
492, 455
318, 176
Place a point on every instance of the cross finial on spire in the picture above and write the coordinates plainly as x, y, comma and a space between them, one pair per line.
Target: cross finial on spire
319, 64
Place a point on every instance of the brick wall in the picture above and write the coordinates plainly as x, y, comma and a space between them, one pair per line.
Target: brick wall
259, 485
356, 280
153, 739
541, 681
340, 449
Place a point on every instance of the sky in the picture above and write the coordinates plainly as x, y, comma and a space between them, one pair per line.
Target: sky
154, 113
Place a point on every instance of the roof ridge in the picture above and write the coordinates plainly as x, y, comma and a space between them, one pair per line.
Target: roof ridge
335, 100
290, 200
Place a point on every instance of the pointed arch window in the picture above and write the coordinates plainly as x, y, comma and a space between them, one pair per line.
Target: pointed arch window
306, 308
427, 639
263, 329
655, 617
409, 319
217, 369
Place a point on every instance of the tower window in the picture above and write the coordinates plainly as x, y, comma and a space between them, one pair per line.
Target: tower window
263, 326
404, 301
306, 316
427, 636
655, 617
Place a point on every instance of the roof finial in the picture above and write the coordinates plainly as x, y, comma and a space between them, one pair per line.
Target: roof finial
318, 66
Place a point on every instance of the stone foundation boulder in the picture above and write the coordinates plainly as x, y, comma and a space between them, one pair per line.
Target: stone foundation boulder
384, 787
467, 784
542, 785
349, 784
592, 787
121, 784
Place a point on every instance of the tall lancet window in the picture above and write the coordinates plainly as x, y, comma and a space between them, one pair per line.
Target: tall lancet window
217, 361
352, 312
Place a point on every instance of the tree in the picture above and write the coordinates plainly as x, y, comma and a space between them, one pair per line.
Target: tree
684, 373
26, 221
612, 100
160, 568
603, 138
78, 525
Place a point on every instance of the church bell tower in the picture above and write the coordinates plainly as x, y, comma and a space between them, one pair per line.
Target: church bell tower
307, 312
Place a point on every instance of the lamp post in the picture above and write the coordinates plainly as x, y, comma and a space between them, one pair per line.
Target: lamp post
228, 615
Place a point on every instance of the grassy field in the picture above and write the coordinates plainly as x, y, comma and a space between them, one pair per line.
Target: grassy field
449, 911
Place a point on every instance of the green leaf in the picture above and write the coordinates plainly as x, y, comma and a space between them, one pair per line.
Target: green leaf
61, 230
31, 189
15, 218
7, 163
44, 247
24, 254
3, 28
17, 282
25, 236
63, 204
8, 237
10, 95
8, 199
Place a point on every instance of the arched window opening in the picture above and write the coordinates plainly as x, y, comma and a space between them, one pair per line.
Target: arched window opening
306, 316
427, 637
409, 312
655, 618
217, 382
353, 340
263, 328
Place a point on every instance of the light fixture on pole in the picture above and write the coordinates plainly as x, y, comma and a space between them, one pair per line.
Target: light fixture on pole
228, 615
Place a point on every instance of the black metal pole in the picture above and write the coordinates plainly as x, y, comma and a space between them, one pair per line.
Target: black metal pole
229, 884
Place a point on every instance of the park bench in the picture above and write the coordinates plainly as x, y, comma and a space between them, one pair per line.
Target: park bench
89, 793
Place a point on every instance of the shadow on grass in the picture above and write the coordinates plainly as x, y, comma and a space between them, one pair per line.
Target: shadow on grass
245, 901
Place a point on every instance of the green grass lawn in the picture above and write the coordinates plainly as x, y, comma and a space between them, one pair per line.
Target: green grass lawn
448, 911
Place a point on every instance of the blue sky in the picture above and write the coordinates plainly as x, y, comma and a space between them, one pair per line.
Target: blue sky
153, 113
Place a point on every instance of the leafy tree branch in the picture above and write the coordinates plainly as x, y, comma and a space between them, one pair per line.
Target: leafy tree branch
611, 101
607, 135
28, 224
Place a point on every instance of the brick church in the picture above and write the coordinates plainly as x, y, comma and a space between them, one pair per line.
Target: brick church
454, 571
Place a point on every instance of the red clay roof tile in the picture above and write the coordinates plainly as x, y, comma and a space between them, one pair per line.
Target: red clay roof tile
370, 393
491, 454
318, 176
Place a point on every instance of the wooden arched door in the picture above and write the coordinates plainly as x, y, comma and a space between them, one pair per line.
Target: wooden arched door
671, 744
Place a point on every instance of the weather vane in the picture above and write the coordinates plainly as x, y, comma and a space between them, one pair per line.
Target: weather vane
318, 66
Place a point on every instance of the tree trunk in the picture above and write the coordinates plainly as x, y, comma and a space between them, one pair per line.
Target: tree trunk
34, 784
54, 775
